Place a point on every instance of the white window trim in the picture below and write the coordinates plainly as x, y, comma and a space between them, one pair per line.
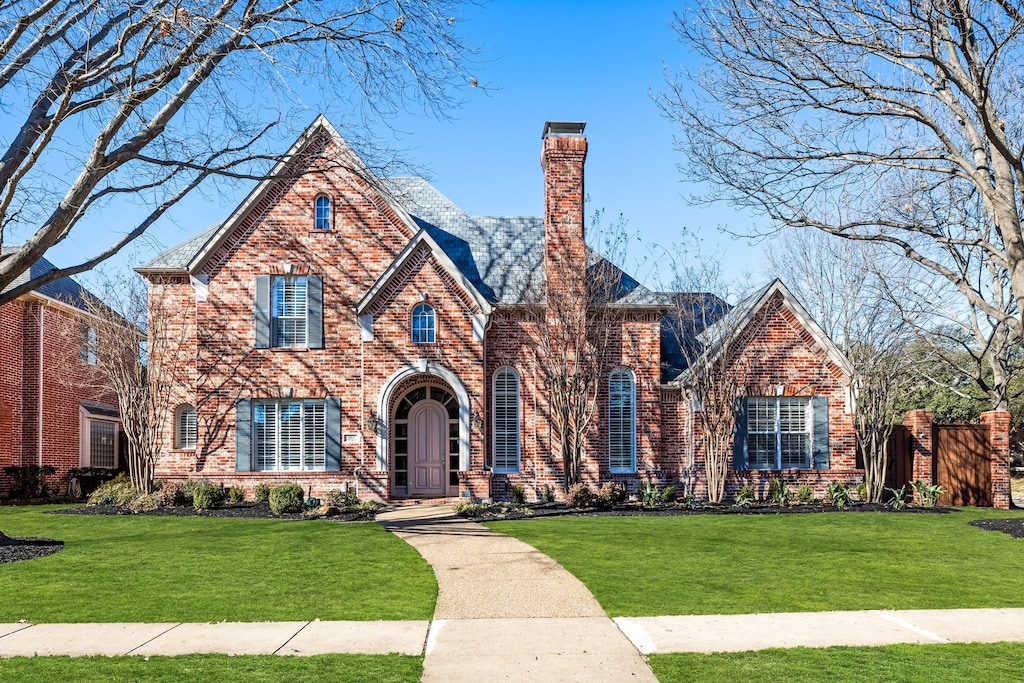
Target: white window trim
85, 420
494, 421
316, 213
632, 422
433, 326
277, 437
777, 432
303, 315
180, 442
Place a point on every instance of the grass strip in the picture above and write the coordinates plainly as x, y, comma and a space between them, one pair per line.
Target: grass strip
220, 668
953, 663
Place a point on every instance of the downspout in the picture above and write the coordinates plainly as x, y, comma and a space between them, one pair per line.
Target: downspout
39, 416
362, 411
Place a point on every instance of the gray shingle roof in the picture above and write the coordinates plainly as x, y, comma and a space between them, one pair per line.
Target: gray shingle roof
64, 289
178, 257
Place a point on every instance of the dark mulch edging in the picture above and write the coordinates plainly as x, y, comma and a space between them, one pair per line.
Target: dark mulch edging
1013, 526
18, 549
538, 511
232, 510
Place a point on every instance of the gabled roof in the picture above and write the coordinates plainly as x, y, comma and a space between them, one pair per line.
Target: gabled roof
177, 258
717, 336
65, 290
422, 238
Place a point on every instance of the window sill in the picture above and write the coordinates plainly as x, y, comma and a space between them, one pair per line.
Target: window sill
287, 349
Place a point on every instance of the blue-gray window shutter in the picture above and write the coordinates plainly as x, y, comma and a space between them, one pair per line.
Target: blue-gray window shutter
262, 311
819, 449
739, 436
315, 314
332, 447
243, 435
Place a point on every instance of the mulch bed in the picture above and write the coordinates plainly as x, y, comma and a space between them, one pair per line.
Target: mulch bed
541, 510
235, 510
18, 549
1012, 526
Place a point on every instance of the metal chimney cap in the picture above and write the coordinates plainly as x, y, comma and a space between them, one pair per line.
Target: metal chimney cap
564, 128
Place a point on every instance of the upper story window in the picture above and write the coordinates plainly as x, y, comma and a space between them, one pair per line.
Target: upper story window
87, 351
288, 311
621, 421
322, 211
185, 426
506, 420
424, 324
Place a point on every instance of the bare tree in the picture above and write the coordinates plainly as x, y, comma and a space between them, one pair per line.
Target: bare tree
849, 288
707, 343
577, 318
860, 119
130, 329
134, 104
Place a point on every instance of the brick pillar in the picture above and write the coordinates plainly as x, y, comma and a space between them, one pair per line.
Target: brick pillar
920, 424
998, 422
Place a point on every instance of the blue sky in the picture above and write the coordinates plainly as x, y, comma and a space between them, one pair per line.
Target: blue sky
577, 61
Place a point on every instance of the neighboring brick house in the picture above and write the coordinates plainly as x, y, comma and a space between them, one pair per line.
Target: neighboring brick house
342, 330
52, 410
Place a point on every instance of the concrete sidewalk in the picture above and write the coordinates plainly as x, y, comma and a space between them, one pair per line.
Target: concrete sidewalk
505, 611
234, 638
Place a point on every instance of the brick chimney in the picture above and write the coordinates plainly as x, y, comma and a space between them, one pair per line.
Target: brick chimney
562, 159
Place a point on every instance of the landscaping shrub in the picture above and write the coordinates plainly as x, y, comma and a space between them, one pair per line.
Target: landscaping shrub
184, 495
117, 491
778, 493
286, 498
549, 493
899, 498
467, 509
236, 494
29, 481
579, 495
928, 493
346, 501
611, 494
649, 493
207, 496
145, 503
169, 494
261, 494
838, 494
804, 494
862, 492
745, 496
369, 508
668, 494
518, 493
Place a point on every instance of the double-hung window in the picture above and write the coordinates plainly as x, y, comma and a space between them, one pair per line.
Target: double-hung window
289, 435
621, 421
779, 435
288, 311
506, 420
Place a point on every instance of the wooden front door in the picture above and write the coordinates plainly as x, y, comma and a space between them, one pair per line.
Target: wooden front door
428, 440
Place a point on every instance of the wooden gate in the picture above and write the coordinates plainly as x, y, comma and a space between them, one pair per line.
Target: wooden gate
962, 464
900, 470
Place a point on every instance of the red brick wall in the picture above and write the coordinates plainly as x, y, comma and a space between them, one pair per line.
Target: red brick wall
66, 380
776, 350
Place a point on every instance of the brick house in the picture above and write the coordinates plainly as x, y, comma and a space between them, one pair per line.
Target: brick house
342, 330
53, 412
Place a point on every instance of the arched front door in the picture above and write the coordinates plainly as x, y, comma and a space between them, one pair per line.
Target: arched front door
428, 447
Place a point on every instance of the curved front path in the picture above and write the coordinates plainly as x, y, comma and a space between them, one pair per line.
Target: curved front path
506, 611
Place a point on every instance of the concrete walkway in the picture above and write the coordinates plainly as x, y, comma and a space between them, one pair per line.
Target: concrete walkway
506, 611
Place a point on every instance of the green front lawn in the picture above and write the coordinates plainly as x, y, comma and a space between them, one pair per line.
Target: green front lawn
736, 564
954, 663
166, 569
220, 668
